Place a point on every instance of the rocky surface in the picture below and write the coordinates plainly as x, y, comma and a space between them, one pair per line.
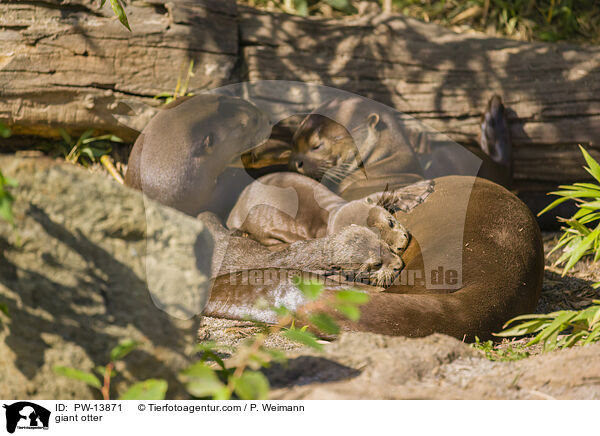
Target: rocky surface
78, 277
75, 278
368, 366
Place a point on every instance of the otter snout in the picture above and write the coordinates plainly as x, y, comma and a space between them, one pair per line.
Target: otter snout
296, 164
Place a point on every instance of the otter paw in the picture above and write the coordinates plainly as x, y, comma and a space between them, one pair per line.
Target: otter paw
403, 199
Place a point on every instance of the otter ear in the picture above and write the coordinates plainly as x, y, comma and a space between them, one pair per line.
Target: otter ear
373, 120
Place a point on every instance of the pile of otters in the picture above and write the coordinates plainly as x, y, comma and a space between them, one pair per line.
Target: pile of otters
346, 206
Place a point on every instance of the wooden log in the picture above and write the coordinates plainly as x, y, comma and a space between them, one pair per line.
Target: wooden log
443, 79
67, 63
70, 64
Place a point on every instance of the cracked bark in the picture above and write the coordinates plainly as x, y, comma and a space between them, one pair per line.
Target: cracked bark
66, 63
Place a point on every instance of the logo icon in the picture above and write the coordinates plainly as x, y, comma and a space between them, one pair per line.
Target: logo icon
26, 415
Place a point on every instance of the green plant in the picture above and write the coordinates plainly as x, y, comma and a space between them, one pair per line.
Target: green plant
152, 389
579, 326
221, 382
181, 89
7, 199
306, 7
87, 149
5, 131
245, 380
4, 310
581, 235
495, 353
119, 12
546, 20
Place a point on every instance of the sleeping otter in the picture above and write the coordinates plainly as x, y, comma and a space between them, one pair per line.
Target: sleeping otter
474, 258
287, 207
351, 249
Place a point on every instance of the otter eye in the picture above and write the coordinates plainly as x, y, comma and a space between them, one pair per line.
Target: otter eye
391, 223
316, 147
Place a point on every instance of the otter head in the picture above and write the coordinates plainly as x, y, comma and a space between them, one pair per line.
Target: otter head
185, 147
324, 149
389, 228
358, 251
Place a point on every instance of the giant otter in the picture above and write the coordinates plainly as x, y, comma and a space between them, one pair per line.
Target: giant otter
381, 149
484, 239
351, 249
284, 207
498, 267
182, 156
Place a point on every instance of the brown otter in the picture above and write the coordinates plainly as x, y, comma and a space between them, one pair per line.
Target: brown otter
495, 270
287, 207
499, 269
464, 248
383, 143
352, 249
350, 162
181, 157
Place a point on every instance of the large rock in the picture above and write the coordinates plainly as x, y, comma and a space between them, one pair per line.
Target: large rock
74, 279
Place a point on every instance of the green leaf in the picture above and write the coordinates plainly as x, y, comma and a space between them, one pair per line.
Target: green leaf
303, 337
281, 311
75, 374
524, 328
9, 181
592, 186
349, 311
6, 212
205, 346
350, 296
202, 381
123, 349
531, 316
572, 339
112, 138
593, 167
324, 323
311, 289
66, 137
581, 249
252, 385
342, 5
120, 13
596, 318
276, 355
151, 389
301, 7
4, 309
549, 334
5, 131
593, 337
101, 370
163, 95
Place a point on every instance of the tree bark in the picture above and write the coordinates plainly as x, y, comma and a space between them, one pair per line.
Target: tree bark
70, 64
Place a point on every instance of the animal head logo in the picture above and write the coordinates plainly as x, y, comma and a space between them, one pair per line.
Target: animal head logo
26, 415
